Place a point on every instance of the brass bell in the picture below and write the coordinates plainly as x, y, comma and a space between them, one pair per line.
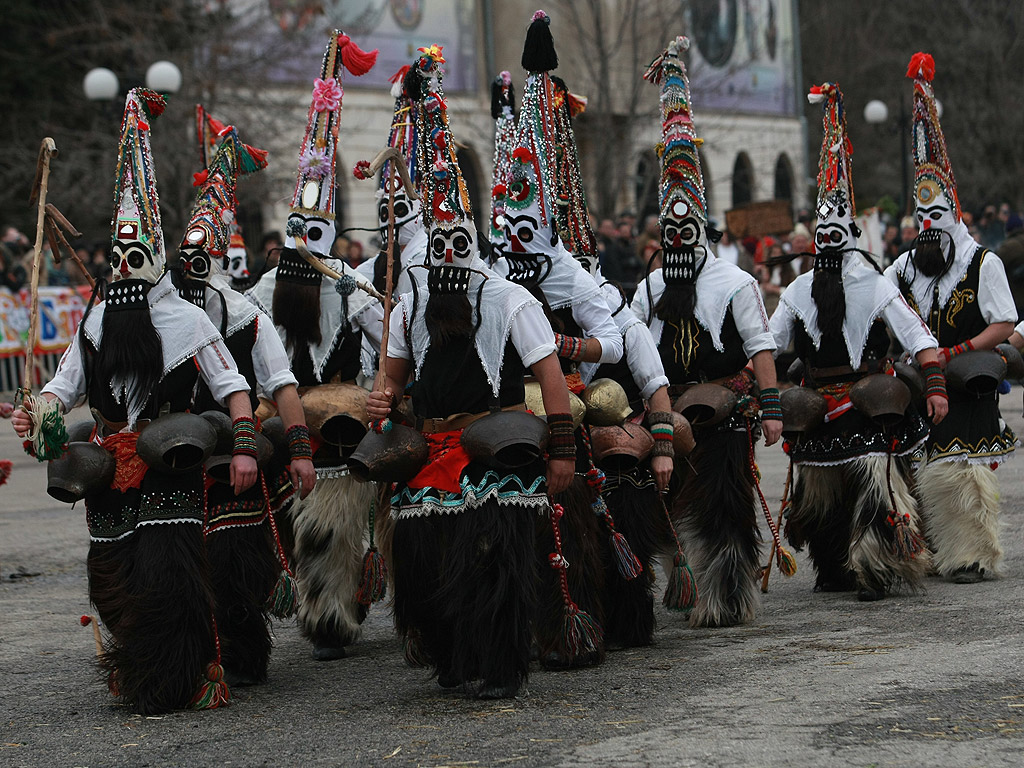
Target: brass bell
535, 402
83, 469
606, 403
506, 439
705, 405
176, 443
881, 398
390, 457
336, 413
803, 409
620, 448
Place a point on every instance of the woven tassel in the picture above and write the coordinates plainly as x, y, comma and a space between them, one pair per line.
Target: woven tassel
6, 465
786, 562
373, 585
629, 566
681, 592
783, 557
213, 693
580, 633
908, 543
283, 601
47, 439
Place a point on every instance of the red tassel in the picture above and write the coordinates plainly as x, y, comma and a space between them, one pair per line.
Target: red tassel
921, 65
259, 156
6, 465
681, 592
213, 693
627, 563
356, 61
400, 74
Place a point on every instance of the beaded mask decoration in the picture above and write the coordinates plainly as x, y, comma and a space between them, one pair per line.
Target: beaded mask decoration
938, 206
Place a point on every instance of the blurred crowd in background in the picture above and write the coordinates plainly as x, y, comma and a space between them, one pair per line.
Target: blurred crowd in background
627, 247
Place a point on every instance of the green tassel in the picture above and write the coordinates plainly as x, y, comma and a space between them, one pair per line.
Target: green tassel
373, 586
284, 598
580, 632
48, 439
681, 592
213, 693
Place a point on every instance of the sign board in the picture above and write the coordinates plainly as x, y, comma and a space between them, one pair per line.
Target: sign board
772, 217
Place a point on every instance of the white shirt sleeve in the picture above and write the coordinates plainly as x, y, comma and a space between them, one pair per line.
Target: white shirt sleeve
531, 334
751, 320
371, 323
908, 327
1020, 328
219, 371
398, 346
68, 384
596, 321
781, 326
639, 303
994, 298
270, 359
643, 359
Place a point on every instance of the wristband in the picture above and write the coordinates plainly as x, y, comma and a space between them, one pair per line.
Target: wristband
958, 349
562, 441
244, 428
771, 405
298, 442
569, 347
934, 380
662, 430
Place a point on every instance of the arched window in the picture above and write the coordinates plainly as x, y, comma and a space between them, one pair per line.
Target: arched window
783, 178
742, 180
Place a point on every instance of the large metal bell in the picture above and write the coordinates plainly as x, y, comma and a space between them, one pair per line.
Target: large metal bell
1014, 361
606, 403
912, 377
705, 405
83, 469
221, 423
881, 398
390, 457
506, 439
336, 413
176, 443
218, 466
977, 372
803, 409
622, 447
682, 435
81, 431
535, 402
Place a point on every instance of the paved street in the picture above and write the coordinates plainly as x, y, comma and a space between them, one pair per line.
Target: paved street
818, 680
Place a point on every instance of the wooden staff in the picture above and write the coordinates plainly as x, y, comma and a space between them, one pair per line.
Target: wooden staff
397, 170
47, 150
56, 226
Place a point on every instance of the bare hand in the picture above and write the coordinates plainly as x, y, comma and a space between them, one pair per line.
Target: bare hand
661, 468
772, 429
560, 474
938, 407
21, 421
303, 476
243, 473
378, 404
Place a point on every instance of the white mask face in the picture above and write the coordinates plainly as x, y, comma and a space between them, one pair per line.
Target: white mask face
319, 233
836, 228
680, 229
131, 258
452, 247
196, 263
933, 207
238, 264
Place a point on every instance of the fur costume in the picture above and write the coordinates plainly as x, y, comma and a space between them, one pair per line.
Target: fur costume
959, 290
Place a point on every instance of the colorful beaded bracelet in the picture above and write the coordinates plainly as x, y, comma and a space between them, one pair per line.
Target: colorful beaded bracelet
298, 442
244, 428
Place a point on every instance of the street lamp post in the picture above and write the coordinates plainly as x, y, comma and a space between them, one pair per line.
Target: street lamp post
877, 113
101, 84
